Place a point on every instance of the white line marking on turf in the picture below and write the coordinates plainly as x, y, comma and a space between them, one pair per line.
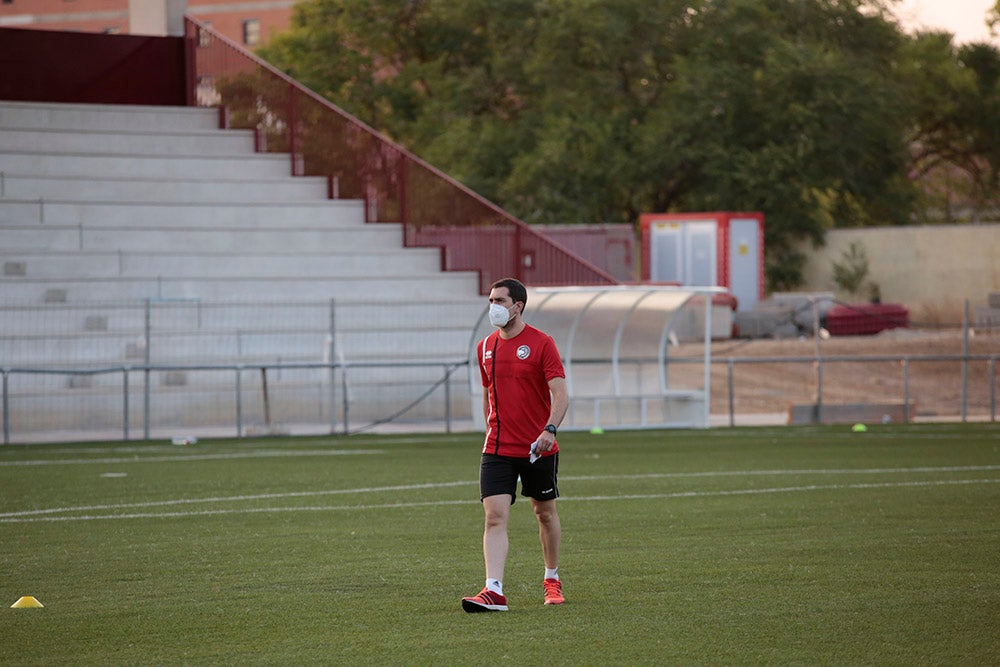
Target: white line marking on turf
806, 471
442, 503
260, 454
793, 489
230, 499
442, 485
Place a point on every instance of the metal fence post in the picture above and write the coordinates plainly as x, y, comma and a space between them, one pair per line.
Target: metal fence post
447, 398
819, 363
146, 357
965, 363
266, 397
343, 380
239, 402
332, 359
993, 388
125, 406
906, 388
6, 409
729, 379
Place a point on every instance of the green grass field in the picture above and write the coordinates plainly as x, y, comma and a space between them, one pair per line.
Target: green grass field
736, 546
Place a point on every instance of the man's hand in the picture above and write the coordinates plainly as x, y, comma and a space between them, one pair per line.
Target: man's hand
544, 442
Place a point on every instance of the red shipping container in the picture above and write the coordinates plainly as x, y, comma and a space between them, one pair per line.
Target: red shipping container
866, 319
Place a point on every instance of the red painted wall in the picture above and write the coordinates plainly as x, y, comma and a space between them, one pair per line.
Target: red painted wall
51, 66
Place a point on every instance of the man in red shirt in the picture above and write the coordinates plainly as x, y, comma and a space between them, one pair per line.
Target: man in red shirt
524, 401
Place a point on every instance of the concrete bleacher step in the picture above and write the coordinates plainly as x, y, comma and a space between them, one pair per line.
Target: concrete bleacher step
230, 347
102, 264
346, 315
244, 165
199, 142
97, 117
311, 288
380, 236
124, 190
275, 215
114, 219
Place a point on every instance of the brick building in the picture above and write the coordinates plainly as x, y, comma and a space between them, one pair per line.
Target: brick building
246, 22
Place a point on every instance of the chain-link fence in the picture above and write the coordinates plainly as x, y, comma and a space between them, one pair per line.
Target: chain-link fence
155, 367
137, 402
159, 369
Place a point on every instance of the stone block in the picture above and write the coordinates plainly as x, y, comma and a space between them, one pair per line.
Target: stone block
851, 413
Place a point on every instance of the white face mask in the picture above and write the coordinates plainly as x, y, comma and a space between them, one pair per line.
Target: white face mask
499, 316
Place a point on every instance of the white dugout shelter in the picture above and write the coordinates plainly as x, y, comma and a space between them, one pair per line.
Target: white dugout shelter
615, 344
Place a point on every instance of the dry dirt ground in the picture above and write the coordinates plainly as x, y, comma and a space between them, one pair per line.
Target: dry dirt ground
934, 388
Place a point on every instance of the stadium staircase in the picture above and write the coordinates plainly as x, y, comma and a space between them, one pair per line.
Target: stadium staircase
118, 221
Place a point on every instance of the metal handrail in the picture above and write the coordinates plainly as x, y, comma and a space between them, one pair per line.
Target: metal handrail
360, 163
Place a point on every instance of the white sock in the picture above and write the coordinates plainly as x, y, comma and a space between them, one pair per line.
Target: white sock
552, 574
495, 585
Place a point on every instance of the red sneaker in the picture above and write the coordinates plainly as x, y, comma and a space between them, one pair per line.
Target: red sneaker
487, 600
553, 591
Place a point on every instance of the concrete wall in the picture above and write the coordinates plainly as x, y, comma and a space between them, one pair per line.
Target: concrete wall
611, 247
156, 17
930, 269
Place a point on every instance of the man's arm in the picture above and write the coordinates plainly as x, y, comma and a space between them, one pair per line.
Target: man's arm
560, 404
560, 400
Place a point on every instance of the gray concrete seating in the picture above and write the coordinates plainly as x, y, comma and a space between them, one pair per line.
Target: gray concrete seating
131, 189
235, 240
256, 165
103, 208
194, 347
126, 143
275, 216
307, 288
90, 117
71, 264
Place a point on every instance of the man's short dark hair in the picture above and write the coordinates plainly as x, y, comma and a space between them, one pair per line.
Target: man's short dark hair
515, 288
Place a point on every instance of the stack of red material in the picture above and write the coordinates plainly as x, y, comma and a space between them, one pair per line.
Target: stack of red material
866, 319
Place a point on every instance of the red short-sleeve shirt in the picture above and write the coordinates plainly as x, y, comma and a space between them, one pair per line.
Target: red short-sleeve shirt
516, 374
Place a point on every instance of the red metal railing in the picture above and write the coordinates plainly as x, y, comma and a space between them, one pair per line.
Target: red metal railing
397, 186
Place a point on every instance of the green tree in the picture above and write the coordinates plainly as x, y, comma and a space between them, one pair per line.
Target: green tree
791, 109
597, 110
955, 98
851, 272
977, 145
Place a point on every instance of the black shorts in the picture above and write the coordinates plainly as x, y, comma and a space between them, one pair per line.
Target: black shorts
498, 475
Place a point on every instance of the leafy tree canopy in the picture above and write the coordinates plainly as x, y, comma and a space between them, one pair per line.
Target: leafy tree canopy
955, 94
568, 111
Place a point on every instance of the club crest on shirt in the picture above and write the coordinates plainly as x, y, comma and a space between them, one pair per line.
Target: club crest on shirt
523, 352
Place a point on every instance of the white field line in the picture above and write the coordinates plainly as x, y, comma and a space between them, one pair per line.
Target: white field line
231, 499
258, 454
32, 516
801, 471
442, 485
440, 503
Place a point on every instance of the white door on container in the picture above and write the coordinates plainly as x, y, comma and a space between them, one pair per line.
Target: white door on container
665, 253
744, 261
700, 253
